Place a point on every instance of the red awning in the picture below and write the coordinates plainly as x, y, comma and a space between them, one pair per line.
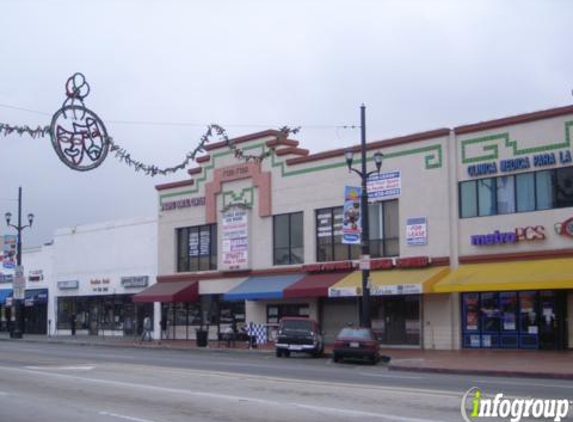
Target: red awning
313, 285
173, 291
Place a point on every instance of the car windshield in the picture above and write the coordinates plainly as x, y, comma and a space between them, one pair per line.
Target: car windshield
296, 326
362, 333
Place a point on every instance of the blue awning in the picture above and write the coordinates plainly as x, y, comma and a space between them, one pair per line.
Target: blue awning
262, 287
5, 293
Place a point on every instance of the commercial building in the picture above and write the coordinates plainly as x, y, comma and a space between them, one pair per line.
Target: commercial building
98, 268
471, 237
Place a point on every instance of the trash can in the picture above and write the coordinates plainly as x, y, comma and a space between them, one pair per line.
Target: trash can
201, 337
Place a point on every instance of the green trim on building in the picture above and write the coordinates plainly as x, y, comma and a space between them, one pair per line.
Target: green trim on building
239, 198
433, 159
491, 151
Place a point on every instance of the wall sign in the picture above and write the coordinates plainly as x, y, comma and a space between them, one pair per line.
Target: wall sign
565, 228
100, 285
522, 163
6, 278
235, 239
35, 275
183, 203
352, 223
397, 289
328, 267
417, 231
529, 233
344, 291
68, 284
133, 282
381, 186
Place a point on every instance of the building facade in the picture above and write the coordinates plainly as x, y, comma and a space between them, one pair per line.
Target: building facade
97, 269
470, 238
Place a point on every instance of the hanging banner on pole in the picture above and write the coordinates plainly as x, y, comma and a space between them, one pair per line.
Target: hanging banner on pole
9, 260
382, 186
352, 223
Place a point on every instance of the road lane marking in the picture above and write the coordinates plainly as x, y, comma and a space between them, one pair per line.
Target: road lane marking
228, 397
129, 418
390, 389
405, 377
62, 368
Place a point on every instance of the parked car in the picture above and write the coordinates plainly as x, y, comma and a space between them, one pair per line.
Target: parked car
297, 334
356, 343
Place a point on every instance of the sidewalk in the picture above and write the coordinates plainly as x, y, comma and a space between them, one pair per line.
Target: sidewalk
509, 363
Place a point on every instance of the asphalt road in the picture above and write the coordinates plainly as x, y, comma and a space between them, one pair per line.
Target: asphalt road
62, 382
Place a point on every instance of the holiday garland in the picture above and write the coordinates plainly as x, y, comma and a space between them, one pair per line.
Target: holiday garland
81, 141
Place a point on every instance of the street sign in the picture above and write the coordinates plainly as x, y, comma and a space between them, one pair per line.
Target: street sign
364, 262
19, 283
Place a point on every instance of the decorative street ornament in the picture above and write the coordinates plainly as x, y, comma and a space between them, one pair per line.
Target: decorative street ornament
78, 135
82, 143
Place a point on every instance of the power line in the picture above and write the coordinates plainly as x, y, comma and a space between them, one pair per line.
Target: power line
188, 124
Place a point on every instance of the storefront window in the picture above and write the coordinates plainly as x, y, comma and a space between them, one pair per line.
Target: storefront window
564, 187
528, 314
471, 311
486, 197
490, 312
505, 195
468, 199
276, 312
545, 189
65, 309
508, 305
288, 239
197, 248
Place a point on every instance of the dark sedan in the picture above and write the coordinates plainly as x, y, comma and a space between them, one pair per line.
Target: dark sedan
356, 343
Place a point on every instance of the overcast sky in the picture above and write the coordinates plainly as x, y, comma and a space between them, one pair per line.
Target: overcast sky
254, 65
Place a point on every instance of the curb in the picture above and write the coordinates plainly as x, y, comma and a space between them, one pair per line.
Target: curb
484, 372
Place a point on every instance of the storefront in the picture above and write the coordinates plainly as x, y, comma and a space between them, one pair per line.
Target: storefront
5, 310
36, 311
513, 305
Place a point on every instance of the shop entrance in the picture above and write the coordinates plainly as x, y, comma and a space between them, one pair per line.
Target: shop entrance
396, 319
515, 320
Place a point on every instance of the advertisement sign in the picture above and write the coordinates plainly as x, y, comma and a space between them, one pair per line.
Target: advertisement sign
381, 186
396, 289
416, 231
235, 239
352, 224
9, 260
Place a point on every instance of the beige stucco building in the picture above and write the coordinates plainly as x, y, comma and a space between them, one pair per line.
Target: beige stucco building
253, 241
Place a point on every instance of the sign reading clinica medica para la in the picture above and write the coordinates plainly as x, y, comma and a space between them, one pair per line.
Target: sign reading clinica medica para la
521, 163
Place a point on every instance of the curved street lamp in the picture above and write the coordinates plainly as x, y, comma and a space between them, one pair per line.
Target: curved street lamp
365, 319
17, 303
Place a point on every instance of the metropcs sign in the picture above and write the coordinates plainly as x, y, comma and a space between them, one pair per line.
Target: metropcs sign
529, 233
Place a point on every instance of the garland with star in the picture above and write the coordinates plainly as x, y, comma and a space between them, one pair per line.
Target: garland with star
80, 138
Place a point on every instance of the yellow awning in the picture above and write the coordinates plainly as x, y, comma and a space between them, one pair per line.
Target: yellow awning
516, 275
390, 282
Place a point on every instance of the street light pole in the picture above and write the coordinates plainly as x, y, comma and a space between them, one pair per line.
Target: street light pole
17, 304
365, 318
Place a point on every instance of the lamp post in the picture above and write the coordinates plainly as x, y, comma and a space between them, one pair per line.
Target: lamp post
17, 305
365, 320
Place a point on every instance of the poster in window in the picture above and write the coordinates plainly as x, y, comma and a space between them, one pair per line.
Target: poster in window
205, 242
324, 224
194, 243
235, 240
351, 223
508, 308
471, 304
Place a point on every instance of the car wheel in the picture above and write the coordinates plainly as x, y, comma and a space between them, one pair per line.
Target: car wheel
287, 353
374, 359
316, 354
279, 353
335, 358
